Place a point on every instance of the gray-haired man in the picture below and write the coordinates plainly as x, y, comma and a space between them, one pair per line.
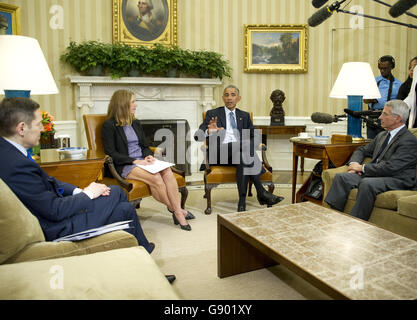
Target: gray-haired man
393, 164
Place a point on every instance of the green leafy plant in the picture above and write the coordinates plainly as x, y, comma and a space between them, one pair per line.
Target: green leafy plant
209, 64
121, 58
89, 54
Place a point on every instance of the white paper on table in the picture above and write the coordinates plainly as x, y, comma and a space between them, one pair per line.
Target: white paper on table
157, 166
121, 225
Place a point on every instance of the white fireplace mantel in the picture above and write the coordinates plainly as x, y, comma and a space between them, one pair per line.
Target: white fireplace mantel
158, 98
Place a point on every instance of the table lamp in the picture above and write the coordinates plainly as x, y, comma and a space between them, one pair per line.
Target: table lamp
24, 70
355, 82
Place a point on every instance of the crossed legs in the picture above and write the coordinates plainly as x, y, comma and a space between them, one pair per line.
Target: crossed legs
164, 188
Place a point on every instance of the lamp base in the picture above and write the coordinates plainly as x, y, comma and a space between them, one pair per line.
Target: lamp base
355, 124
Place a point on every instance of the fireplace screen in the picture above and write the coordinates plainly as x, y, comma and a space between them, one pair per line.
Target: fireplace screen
173, 136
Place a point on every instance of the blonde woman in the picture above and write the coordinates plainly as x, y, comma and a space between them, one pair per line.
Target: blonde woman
124, 140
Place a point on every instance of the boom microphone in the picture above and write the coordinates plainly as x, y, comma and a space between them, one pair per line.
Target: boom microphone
359, 114
401, 7
318, 3
319, 117
323, 14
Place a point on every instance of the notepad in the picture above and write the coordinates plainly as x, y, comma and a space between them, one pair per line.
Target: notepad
121, 225
157, 166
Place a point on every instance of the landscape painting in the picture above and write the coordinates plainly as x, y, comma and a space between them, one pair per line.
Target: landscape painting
279, 49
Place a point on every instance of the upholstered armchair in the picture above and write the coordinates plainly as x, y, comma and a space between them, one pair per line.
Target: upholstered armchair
135, 190
394, 210
215, 174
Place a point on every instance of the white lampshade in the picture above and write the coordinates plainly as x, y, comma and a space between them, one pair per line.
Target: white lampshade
23, 66
355, 79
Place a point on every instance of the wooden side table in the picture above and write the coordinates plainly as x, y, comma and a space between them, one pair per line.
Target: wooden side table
79, 172
338, 153
287, 130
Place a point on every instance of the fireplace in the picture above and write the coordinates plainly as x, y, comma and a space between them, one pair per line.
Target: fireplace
173, 136
157, 98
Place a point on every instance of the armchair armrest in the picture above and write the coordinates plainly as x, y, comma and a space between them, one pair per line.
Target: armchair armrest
328, 176
407, 206
123, 183
263, 148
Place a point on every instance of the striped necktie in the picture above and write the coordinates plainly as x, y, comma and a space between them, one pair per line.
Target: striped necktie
232, 120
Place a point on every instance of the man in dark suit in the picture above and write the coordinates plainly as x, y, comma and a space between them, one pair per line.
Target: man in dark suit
231, 141
393, 164
61, 208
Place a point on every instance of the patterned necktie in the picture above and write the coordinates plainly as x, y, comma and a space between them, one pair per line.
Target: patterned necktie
29, 156
232, 120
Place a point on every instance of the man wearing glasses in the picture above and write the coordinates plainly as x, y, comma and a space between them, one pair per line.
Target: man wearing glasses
393, 164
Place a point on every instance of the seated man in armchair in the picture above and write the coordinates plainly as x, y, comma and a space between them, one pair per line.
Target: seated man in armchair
231, 140
393, 164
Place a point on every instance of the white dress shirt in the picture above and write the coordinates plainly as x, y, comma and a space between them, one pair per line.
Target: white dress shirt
230, 136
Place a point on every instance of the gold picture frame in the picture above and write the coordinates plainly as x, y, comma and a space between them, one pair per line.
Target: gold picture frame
158, 25
10, 19
276, 48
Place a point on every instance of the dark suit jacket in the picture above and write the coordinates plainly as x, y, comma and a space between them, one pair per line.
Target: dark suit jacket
50, 200
115, 143
398, 160
243, 121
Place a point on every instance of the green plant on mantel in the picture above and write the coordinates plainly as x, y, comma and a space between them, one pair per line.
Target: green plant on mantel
120, 59
209, 64
86, 56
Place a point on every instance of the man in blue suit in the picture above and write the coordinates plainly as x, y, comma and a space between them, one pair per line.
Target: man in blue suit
60, 207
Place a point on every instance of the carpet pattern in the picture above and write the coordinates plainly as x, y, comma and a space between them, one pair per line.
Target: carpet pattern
192, 256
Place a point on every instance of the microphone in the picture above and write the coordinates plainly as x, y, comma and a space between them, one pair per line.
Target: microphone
319, 117
323, 14
401, 7
318, 3
360, 114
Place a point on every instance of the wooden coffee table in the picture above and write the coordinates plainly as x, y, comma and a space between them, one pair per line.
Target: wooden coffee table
345, 257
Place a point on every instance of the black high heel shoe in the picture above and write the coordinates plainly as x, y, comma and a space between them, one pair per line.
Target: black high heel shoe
269, 199
187, 227
189, 215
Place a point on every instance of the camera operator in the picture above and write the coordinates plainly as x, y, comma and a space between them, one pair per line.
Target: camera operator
388, 87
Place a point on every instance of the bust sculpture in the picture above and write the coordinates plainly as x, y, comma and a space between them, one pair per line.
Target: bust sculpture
277, 113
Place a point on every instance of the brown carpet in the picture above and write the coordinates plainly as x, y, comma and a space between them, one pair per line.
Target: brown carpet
192, 256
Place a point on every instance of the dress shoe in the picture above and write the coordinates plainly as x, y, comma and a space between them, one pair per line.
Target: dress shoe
170, 277
268, 198
241, 208
151, 247
189, 215
187, 227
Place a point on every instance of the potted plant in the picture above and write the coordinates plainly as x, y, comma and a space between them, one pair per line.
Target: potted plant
210, 64
89, 57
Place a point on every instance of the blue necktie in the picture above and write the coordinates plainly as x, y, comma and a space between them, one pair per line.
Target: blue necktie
29, 156
232, 120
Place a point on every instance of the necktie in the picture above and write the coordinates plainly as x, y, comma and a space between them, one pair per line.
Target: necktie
29, 156
384, 145
232, 120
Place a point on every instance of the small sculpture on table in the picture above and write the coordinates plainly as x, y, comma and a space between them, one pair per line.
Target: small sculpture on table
277, 113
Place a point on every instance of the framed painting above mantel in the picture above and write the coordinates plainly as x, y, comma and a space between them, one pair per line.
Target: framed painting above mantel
276, 48
145, 22
9, 19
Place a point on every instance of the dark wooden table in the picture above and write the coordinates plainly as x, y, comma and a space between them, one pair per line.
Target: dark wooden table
284, 130
339, 153
79, 172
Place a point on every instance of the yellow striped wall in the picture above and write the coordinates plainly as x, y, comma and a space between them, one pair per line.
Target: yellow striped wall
218, 25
